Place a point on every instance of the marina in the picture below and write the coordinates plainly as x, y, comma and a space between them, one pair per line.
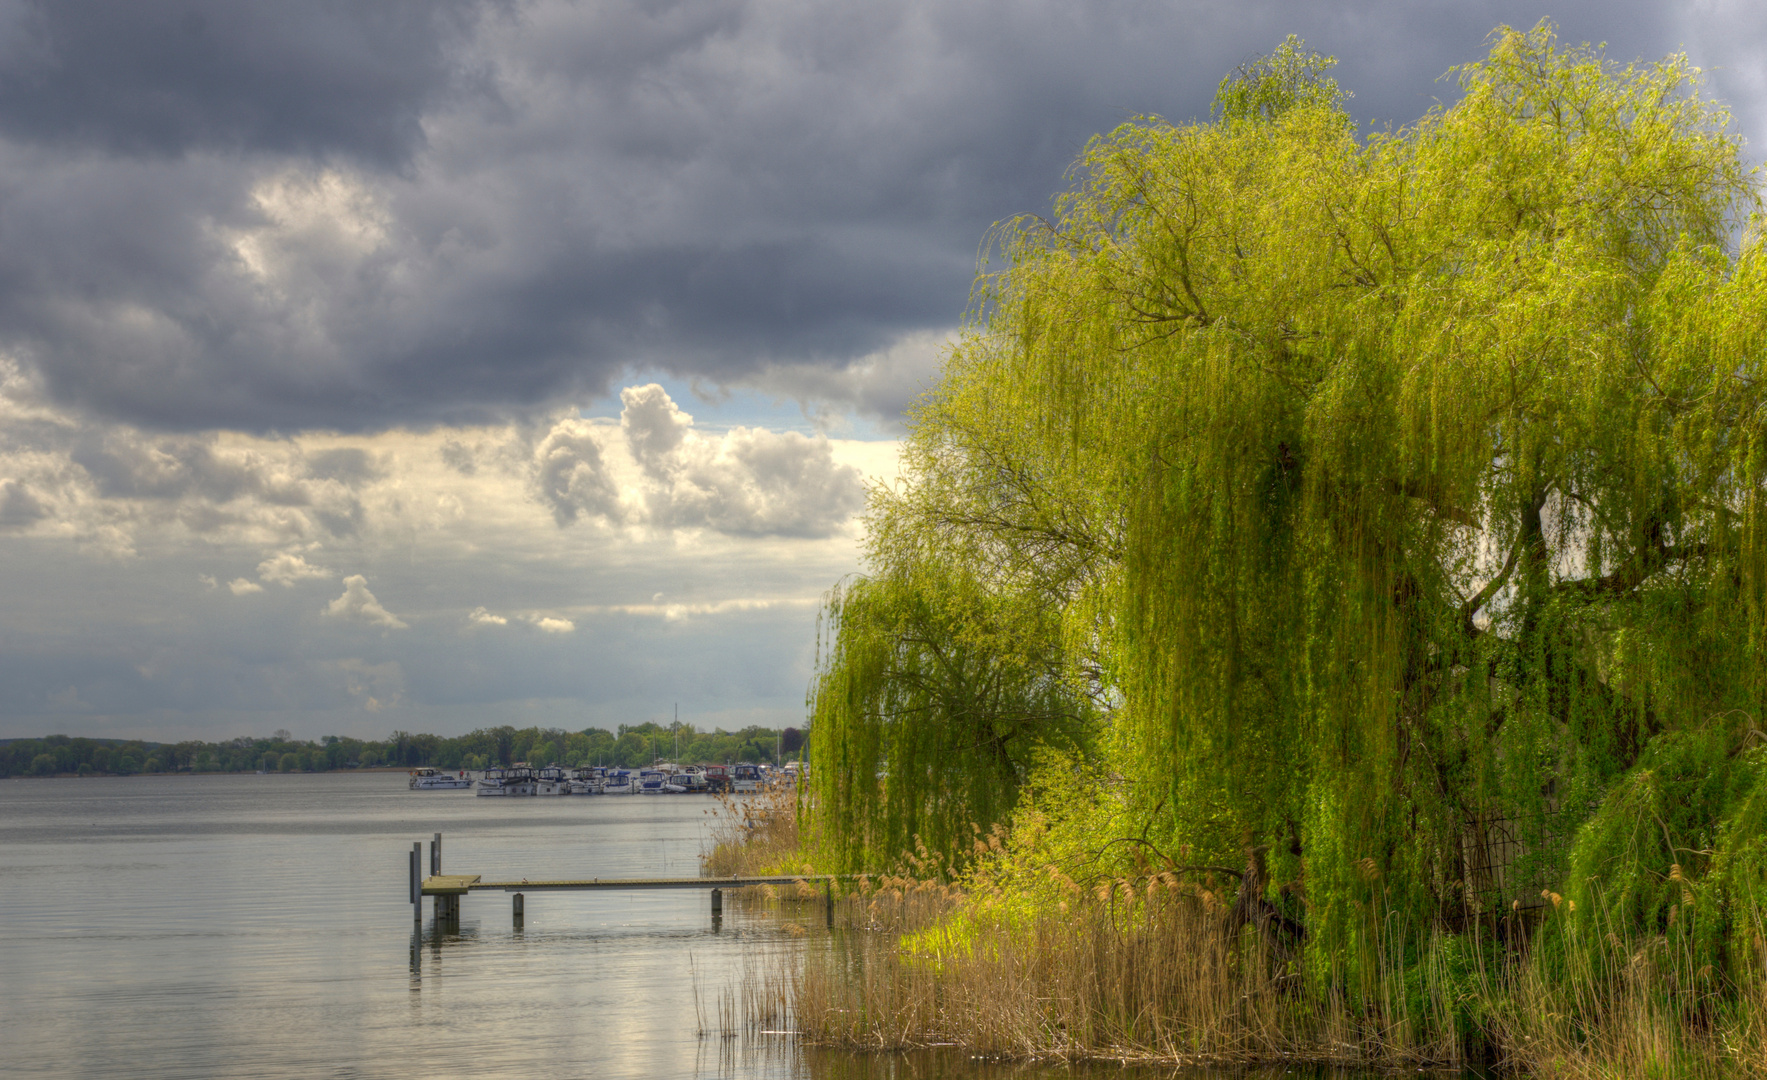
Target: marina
520, 779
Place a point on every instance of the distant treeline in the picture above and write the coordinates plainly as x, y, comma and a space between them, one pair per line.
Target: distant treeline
627, 747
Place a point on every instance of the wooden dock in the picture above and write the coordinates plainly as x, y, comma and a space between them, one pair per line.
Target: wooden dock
460, 884
447, 889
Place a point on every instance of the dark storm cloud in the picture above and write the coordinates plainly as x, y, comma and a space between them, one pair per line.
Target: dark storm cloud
293, 219
165, 77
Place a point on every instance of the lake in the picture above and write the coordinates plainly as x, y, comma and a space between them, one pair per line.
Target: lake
259, 926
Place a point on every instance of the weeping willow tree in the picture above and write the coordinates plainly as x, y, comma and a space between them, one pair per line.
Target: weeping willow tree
946, 670
1352, 493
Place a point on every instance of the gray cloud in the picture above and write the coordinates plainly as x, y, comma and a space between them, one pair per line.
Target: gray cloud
167, 77
281, 217
211, 485
654, 426
569, 476
18, 507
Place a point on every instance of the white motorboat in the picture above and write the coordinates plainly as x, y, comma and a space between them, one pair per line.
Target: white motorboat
587, 781
620, 782
435, 780
650, 782
745, 779
552, 781
517, 781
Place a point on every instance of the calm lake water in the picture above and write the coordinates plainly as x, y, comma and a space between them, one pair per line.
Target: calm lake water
259, 926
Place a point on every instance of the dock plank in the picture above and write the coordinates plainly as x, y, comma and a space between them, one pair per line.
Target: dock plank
449, 884
560, 884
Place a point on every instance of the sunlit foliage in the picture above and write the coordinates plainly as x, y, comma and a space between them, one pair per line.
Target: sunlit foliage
1343, 494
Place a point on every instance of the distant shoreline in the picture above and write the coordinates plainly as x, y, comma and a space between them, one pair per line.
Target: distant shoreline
221, 772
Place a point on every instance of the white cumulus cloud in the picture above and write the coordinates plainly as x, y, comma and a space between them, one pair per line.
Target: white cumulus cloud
285, 568
553, 625
747, 482
357, 604
481, 617
242, 586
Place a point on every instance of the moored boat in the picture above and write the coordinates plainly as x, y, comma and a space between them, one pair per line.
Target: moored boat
434, 780
552, 781
513, 781
717, 778
587, 781
745, 779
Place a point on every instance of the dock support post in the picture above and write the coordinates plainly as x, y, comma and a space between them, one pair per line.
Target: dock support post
416, 882
519, 904
440, 907
717, 910
828, 901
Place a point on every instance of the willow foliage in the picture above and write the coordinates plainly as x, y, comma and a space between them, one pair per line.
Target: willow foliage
1367, 489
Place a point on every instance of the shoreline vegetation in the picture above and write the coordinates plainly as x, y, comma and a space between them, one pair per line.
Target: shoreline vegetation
1323, 612
1012, 959
628, 746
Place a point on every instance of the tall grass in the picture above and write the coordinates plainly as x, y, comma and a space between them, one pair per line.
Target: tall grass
1155, 970
1026, 962
754, 834
1633, 1006
1128, 971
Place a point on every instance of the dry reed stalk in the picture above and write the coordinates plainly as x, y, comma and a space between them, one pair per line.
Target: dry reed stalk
1153, 970
1634, 1007
1151, 976
1162, 976
1156, 973
754, 834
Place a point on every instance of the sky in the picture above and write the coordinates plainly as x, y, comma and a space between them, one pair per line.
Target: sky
434, 364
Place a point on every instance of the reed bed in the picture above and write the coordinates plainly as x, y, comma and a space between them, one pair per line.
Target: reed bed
1635, 1008
1132, 974
754, 834
1156, 972
1155, 969
755, 1007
